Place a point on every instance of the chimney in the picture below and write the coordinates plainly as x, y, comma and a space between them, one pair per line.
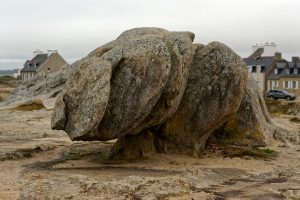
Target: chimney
295, 59
277, 56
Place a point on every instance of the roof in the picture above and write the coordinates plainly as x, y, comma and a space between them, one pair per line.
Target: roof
281, 65
294, 64
33, 64
277, 76
262, 61
291, 64
284, 68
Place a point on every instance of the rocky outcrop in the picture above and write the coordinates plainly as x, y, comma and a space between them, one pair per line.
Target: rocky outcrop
39, 87
154, 91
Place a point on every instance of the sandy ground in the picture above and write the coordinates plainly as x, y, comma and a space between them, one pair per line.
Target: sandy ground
39, 163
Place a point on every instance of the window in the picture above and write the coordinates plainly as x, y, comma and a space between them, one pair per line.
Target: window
273, 84
294, 84
286, 84
262, 68
275, 71
253, 69
249, 69
291, 71
290, 84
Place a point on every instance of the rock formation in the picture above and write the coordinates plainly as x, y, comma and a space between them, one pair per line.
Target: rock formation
39, 87
156, 91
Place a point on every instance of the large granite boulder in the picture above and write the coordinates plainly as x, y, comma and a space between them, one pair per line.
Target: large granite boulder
215, 86
115, 88
216, 83
154, 91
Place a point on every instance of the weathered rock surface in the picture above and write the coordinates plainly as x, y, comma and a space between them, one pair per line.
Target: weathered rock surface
252, 124
143, 75
155, 91
215, 86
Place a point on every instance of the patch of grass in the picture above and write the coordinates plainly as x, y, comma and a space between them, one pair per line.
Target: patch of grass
244, 144
30, 106
7, 79
254, 152
280, 107
295, 119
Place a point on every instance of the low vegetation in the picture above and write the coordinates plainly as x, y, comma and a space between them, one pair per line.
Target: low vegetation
295, 119
283, 107
232, 151
30, 106
7, 80
254, 152
229, 145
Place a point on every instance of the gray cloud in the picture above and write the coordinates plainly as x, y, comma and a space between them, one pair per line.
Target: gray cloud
75, 27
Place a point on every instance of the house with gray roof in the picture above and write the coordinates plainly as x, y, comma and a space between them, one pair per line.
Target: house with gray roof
285, 75
271, 71
42, 63
260, 62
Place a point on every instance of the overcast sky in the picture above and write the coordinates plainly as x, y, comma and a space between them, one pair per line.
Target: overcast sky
76, 27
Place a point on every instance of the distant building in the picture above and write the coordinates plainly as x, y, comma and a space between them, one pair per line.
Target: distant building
260, 61
285, 75
271, 71
42, 63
